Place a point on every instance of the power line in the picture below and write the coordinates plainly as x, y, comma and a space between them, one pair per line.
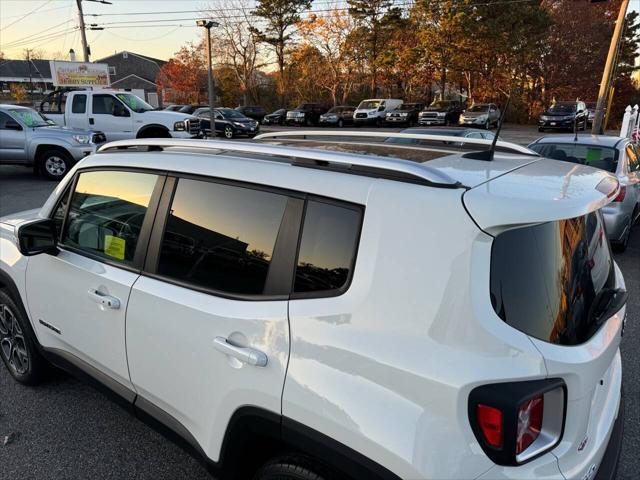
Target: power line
27, 14
28, 37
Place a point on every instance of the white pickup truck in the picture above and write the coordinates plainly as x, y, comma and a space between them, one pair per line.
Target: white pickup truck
119, 115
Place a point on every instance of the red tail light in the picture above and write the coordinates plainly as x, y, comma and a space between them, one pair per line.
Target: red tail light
530, 416
490, 421
621, 194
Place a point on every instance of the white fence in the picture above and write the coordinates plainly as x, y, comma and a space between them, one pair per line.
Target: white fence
630, 123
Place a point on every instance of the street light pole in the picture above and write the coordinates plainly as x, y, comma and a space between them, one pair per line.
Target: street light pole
607, 74
207, 25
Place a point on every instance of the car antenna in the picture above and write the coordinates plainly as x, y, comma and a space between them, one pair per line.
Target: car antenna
487, 155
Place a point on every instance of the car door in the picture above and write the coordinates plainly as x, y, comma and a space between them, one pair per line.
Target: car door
13, 140
111, 116
77, 117
207, 322
78, 298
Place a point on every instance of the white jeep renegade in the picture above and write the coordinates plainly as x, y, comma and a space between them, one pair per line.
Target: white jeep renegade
315, 309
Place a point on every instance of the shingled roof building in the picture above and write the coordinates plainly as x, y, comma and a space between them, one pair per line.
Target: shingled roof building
127, 71
34, 74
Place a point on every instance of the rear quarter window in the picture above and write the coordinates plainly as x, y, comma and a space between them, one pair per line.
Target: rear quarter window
546, 278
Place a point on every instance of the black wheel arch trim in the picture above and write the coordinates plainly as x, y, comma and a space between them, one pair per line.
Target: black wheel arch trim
152, 126
7, 283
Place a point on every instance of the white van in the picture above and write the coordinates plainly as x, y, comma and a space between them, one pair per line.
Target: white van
373, 111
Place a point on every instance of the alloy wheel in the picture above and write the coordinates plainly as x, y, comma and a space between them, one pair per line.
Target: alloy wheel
12, 344
228, 132
55, 166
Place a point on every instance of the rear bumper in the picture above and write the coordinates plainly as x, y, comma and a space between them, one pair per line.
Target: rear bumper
609, 464
366, 121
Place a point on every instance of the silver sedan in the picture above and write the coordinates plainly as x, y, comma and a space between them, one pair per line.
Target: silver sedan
616, 155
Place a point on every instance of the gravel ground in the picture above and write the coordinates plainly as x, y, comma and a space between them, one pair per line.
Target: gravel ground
65, 429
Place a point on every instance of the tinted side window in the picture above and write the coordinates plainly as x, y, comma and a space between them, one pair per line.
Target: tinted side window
221, 237
4, 118
328, 247
79, 104
106, 213
103, 104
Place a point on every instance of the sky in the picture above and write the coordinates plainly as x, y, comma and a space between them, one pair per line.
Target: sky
48, 25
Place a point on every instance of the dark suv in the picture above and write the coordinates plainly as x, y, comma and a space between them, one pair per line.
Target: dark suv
252, 111
405, 114
564, 116
307, 114
441, 112
338, 116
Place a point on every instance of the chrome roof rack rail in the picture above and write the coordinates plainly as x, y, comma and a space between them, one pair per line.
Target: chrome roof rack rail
306, 134
382, 167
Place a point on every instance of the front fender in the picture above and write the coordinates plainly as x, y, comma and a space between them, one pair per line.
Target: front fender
49, 141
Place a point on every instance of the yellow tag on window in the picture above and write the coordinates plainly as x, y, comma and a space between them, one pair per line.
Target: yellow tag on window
114, 246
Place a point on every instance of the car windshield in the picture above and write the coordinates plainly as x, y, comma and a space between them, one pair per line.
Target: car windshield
596, 156
30, 117
369, 104
335, 110
279, 112
563, 108
440, 104
478, 108
230, 113
134, 102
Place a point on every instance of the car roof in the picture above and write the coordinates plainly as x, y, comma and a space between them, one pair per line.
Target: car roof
454, 132
16, 107
446, 165
596, 140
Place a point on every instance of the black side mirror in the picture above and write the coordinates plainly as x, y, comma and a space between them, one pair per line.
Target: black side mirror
38, 237
381, 108
12, 125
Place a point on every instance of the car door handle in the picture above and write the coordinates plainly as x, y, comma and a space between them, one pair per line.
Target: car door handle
106, 300
244, 354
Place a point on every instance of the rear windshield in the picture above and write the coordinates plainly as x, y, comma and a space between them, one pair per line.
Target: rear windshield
595, 156
546, 279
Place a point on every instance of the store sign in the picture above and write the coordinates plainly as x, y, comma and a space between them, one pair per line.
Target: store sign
79, 74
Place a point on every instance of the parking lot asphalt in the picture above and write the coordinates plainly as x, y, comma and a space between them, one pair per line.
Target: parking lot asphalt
65, 429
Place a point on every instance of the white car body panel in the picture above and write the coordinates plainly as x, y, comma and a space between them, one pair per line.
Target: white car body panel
542, 191
185, 375
89, 331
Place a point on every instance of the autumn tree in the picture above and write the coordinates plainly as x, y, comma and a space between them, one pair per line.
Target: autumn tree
236, 46
305, 64
369, 16
329, 34
279, 16
184, 77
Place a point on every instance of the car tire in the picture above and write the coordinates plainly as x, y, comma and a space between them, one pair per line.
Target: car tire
292, 467
55, 164
228, 132
340, 123
17, 346
540, 129
487, 125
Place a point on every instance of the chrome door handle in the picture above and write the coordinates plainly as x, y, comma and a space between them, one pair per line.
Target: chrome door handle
244, 354
106, 300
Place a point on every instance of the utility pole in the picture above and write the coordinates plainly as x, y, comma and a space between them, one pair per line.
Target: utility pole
607, 74
30, 76
207, 25
83, 34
